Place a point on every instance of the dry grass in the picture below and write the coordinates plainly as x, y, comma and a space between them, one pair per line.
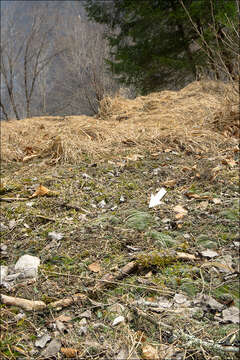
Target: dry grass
191, 119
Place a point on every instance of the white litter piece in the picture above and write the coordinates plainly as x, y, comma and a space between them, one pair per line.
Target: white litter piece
55, 236
28, 266
3, 273
155, 199
118, 320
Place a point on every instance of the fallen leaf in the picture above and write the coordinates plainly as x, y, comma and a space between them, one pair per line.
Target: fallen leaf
69, 352
181, 212
170, 183
185, 256
135, 157
95, 267
231, 314
149, 352
167, 150
229, 162
185, 169
192, 195
218, 265
42, 190
203, 205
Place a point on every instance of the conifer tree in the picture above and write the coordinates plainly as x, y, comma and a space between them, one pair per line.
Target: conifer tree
152, 40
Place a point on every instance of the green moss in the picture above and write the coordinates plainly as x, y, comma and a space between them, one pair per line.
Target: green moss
231, 290
162, 240
189, 287
139, 220
206, 242
155, 259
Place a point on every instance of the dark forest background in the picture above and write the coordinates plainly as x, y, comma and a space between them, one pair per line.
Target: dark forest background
63, 57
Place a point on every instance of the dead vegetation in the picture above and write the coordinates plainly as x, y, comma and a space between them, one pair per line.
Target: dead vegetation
118, 279
194, 119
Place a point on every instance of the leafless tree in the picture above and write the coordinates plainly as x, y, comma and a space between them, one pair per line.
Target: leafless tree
24, 56
223, 53
85, 79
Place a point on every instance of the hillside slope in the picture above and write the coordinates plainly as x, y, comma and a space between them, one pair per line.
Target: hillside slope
119, 279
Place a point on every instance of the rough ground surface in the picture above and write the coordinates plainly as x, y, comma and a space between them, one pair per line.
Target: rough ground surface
115, 234
152, 283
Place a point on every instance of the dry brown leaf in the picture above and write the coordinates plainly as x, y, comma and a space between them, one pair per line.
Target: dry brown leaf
203, 205
170, 183
149, 352
181, 212
185, 169
141, 336
167, 150
229, 162
29, 157
192, 195
69, 352
185, 256
218, 265
42, 190
64, 318
95, 267
135, 157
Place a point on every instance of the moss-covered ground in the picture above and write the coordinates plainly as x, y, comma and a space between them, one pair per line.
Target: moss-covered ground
102, 211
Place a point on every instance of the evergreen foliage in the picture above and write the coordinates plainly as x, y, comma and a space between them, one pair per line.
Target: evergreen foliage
152, 40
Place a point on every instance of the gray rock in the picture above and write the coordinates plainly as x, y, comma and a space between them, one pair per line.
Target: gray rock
52, 349
42, 341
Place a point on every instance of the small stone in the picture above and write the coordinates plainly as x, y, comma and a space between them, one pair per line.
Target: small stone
3, 247
231, 314
117, 308
3, 273
28, 266
42, 341
86, 314
209, 253
118, 320
52, 349
179, 299
55, 236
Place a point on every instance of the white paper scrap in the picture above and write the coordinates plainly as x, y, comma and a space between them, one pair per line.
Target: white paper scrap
155, 199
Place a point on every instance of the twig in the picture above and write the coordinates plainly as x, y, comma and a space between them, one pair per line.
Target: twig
113, 282
13, 199
191, 340
45, 218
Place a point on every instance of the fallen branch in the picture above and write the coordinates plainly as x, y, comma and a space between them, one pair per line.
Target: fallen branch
13, 199
67, 301
191, 340
45, 218
28, 305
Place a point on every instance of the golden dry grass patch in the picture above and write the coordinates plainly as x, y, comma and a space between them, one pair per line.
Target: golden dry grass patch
185, 119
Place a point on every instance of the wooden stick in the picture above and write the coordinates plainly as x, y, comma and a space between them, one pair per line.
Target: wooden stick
13, 199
